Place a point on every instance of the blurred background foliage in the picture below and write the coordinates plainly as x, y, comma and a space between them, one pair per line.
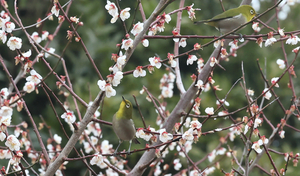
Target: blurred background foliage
101, 37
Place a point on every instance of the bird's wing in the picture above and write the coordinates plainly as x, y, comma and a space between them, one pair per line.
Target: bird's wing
225, 15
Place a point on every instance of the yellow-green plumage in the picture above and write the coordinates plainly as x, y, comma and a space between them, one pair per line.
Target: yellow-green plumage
231, 19
123, 124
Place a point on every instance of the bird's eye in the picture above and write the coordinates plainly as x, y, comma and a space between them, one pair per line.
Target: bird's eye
127, 105
251, 11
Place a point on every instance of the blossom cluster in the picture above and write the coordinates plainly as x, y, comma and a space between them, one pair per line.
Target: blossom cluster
159, 25
6, 27
166, 85
12, 142
120, 60
32, 81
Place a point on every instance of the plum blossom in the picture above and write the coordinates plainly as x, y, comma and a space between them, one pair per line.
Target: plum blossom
259, 41
14, 43
281, 32
191, 12
106, 147
295, 50
197, 106
4, 122
101, 84
177, 164
34, 77
167, 18
36, 38
164, 136
155, 61
116, 78
109, 91
12, 143
182, 42
221, 151
144, 135
3, 36
112, 10
209, 110
233, 47
223, 102
263, 140
223, 53
167, 92
199, 84
5, 111
217, 43
281, 134
268, 94
4, 93
191, 59
209, 170
139, 72
195, 124
270, 39
2, 137
292, 40
69, 116
49, 50
9, 26
3, 20
124, 14
15, 160
57, 139
211, 156
145, 42
45, 35
274, 81
200, 64
256, 147
213, 61
140, 133
121, 60
255, 27
126, 44
250, 92
55, 10
137, 28
257, 122
172, 62
167, 85
188, 135
29, 87
97, 159
280, 63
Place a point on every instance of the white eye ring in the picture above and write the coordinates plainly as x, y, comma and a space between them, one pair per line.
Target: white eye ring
251, 11
127, 105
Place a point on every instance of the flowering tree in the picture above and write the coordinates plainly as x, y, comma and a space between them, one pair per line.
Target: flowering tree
190, 136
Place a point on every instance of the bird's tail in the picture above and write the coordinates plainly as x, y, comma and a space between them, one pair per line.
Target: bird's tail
200, 22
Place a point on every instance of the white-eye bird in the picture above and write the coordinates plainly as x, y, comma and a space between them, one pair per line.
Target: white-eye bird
123, 124
231, 19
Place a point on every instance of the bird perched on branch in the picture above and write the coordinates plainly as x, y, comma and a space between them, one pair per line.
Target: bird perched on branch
231, 19
123, 124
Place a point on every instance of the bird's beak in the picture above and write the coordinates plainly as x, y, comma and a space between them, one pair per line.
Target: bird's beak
123, 99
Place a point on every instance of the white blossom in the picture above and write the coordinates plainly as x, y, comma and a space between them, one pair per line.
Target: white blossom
69, 116
124, 14
164, 136
12, 143
14, 43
